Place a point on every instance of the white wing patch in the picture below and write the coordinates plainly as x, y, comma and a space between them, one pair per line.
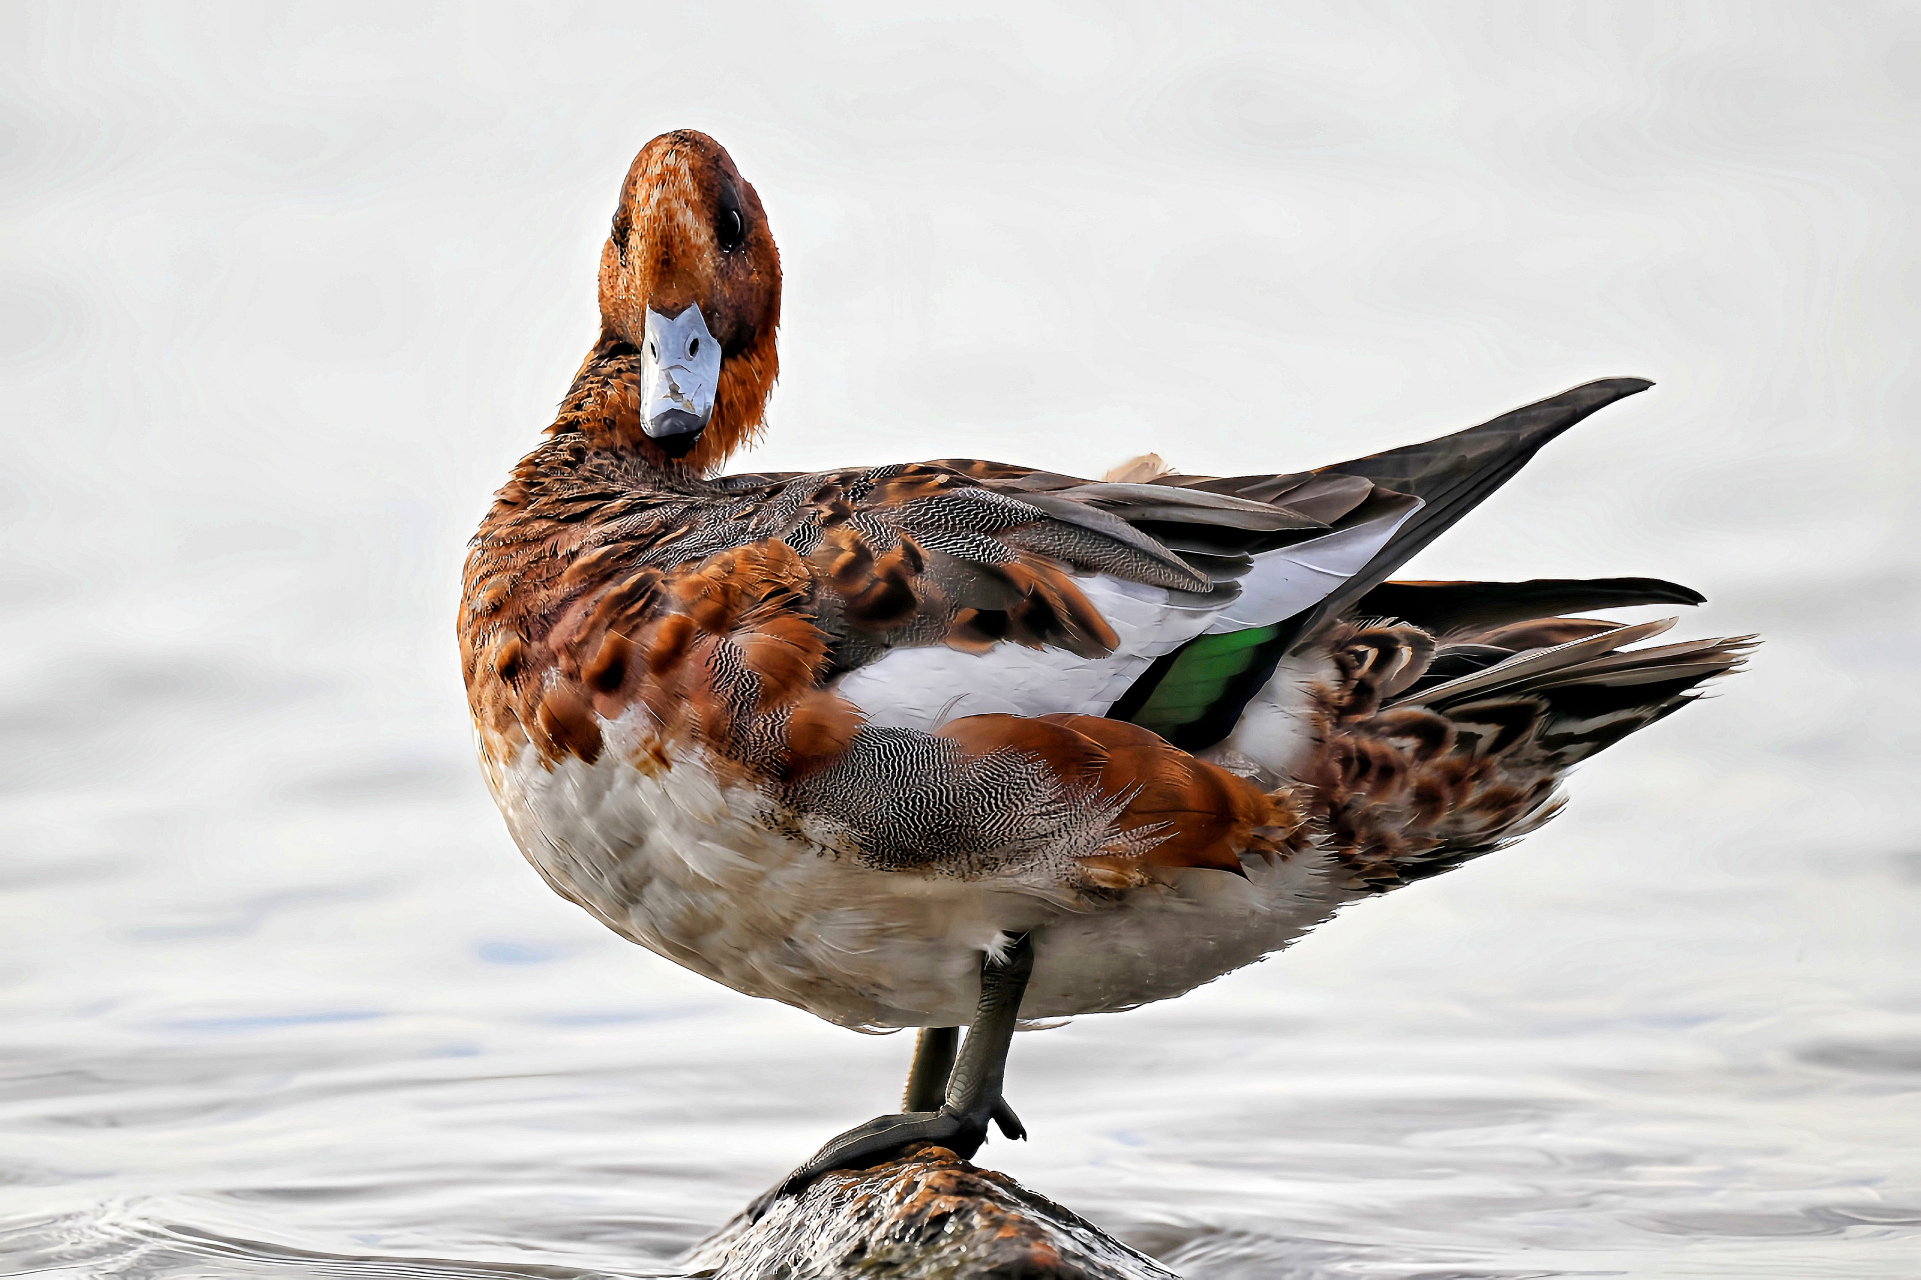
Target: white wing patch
925, 688
1286, 581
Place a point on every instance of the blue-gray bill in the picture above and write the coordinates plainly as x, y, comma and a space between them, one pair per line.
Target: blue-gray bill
680, 372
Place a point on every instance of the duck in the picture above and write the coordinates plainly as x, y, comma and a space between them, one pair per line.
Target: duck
967, 744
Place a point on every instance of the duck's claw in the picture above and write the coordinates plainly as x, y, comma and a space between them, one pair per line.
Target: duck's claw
1010, 1124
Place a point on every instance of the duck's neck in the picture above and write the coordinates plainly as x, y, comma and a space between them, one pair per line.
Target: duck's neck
603, 404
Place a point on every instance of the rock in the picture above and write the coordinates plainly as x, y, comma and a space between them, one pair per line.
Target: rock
927, 1216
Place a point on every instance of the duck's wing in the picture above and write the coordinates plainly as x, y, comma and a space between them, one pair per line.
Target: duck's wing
1195, 694
1281, 554
961, 587
1456, 473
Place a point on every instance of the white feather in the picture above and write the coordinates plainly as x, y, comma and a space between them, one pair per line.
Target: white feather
924, 688
1285, 582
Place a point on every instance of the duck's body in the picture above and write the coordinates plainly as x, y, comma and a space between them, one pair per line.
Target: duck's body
706, 775
832, 739
698, 869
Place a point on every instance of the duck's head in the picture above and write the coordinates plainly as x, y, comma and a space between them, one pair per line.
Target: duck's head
690, 279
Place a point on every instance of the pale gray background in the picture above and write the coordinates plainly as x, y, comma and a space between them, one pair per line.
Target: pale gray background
284, 290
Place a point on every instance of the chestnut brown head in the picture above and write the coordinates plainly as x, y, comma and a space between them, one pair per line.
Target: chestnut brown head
690, 278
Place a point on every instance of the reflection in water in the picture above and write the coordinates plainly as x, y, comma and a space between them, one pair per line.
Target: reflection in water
280, 999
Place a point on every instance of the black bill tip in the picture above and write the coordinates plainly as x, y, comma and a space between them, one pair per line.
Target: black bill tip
675, 431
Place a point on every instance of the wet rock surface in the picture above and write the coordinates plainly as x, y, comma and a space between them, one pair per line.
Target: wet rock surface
926, 1216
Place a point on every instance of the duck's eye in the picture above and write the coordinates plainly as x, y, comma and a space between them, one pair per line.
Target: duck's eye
693, 348
729, 231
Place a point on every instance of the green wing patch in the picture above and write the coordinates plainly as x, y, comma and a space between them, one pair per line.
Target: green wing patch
1200, 675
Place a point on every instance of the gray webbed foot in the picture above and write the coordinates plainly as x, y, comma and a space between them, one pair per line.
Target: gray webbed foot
884, 1137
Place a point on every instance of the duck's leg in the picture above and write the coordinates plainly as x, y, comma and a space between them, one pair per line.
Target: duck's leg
973, 1094
933, 1066
974, 1088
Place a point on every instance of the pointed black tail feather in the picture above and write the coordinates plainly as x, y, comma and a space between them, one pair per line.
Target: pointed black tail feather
1440, 608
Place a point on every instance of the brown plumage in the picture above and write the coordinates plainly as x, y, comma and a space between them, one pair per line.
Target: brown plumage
662, 253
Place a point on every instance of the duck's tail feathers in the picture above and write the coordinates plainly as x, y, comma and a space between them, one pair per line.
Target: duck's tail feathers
1448, 609
1418, 776
1588, 692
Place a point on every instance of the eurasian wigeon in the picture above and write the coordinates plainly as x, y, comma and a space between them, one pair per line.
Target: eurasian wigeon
964, 743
